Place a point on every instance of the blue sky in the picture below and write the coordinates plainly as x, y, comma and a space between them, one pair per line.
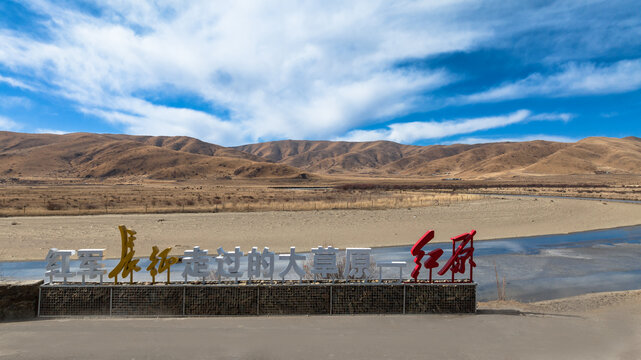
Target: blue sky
232, 72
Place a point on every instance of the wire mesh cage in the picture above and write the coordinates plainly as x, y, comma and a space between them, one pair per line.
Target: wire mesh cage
74, 301
256, 299
221, 300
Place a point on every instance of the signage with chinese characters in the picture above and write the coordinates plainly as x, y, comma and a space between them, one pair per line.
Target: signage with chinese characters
324, 263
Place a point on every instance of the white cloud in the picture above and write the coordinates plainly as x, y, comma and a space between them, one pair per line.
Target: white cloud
137, 115
16, 83
312, 70
574, 79
51, 131
482, 140
15, 101
7, 124
565, 117
419, 130
280, 70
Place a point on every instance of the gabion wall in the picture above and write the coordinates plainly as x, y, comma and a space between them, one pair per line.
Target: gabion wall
259, 299
19, 299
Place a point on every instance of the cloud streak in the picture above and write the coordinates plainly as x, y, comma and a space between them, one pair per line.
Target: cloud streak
574, 79
16, 83
485, 140
410, 132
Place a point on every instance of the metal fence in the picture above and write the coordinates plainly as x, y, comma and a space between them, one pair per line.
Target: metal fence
254, 299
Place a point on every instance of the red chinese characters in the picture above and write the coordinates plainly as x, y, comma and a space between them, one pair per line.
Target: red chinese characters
418, 253
456, 263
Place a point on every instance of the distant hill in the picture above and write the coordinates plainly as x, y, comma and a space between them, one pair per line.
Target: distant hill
86, 155
593, 155
332, 157
588, 156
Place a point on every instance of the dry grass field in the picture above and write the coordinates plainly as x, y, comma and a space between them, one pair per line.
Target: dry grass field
91, 199
82, 197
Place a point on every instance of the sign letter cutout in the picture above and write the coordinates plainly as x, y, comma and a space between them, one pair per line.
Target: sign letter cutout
292, 257
357, 261
90, 265
196, 263
58, 264
229, 258
127, 262
165, 263
324, 262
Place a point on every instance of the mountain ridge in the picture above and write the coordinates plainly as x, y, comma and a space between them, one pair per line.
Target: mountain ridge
89, 155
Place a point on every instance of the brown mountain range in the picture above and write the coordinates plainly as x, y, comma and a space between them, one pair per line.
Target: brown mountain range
85, 155
588, 156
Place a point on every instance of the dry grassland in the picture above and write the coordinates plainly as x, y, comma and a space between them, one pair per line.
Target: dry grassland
78, 197
20, 200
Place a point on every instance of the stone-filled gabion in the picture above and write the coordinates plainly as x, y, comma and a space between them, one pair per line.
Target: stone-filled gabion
221, 300
364, 299
19, 299
257, 299
74, 300
147, 300
436, 298
294, 300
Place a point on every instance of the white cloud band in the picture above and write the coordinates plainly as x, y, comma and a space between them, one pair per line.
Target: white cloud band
420, 130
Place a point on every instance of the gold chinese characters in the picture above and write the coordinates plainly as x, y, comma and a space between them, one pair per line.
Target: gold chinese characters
165, 263
127, 264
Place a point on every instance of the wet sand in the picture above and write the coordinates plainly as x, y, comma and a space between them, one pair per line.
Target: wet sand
29, 238
608, 327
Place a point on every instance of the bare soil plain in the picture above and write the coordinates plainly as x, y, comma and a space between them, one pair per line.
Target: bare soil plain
30, 237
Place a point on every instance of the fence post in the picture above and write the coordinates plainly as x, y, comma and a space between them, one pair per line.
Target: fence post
404, 297
257, 300
39, 296
331, 299
111, 299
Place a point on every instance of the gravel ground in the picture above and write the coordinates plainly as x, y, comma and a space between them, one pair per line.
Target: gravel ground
598, 326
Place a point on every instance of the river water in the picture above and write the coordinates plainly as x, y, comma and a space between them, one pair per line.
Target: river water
535, 268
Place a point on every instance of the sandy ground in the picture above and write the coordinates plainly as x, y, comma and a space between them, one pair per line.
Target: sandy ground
31, 237
608, 327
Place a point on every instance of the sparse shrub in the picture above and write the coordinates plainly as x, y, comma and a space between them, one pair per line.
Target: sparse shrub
52, 206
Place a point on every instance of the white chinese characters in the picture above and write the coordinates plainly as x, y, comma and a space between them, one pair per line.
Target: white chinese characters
58, 264
324, 262
232, 260
292, 264
196, 263
90, 264
320, 264
357, 263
